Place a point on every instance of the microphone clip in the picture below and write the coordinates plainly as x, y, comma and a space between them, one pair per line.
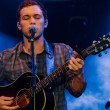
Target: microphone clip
32, 29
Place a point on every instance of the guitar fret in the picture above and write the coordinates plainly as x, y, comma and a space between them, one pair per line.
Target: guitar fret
38, 87
47, 80
94, 49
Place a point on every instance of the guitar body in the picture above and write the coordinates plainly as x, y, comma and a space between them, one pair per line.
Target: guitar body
21, 90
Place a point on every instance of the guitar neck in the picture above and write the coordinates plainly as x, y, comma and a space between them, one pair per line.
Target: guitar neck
94, 49
50, 78
58, 72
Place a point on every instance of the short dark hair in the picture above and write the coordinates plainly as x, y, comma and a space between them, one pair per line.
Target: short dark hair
30, 3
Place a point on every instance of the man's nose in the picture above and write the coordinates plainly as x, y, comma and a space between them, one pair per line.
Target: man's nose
32, 20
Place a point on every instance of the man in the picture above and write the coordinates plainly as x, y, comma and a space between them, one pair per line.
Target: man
15, 61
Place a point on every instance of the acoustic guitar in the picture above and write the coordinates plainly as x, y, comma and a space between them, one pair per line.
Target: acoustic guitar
22, 91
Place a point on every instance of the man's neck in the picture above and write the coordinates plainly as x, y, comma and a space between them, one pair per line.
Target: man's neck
38, 46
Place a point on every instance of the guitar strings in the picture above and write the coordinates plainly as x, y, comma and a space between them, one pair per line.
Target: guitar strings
44, 82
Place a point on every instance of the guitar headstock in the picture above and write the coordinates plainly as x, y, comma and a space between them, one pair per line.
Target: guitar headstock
97, 46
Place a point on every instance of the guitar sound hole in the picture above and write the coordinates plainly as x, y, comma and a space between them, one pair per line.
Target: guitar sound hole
23, 98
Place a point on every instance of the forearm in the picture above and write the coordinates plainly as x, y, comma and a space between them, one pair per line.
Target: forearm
79, 83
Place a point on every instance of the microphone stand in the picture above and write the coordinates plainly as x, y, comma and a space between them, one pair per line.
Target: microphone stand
31, 39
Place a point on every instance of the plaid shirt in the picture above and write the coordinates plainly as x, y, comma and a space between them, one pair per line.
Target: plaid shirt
15, 61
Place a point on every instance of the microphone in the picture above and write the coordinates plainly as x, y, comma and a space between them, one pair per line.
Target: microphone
32, 29
107, 105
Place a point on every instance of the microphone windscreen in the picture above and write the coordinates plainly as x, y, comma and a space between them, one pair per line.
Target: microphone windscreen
32, 28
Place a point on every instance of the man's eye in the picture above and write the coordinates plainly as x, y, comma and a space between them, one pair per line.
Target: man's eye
26, 17
37, 16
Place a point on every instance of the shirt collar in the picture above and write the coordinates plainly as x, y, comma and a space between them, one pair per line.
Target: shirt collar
48, 48
20, 48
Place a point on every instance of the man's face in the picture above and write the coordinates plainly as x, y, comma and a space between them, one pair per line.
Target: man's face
32, 15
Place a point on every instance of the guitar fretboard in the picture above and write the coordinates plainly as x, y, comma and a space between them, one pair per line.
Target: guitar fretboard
47, 80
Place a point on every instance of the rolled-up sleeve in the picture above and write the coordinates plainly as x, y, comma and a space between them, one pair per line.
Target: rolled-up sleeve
71, 78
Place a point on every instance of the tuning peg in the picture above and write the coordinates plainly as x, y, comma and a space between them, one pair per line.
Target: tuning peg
104, 36
107, 45
105, 51
99, 41
94, 41
100, 38
101, 48
100, 54
96, 50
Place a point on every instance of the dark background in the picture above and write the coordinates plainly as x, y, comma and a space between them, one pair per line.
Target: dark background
70, 21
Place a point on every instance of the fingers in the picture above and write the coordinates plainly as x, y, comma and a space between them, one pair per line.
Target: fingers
6, 98
10, 108
76, 64
5, 103
75, 53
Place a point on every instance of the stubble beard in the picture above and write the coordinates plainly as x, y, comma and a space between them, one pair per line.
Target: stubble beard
35, 38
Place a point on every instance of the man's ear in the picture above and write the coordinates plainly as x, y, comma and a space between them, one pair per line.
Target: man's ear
46, 23
19, 25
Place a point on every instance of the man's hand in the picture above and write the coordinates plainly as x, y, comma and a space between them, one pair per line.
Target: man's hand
76, 64
5, 102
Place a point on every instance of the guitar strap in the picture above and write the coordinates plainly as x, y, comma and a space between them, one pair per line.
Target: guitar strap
49, 58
